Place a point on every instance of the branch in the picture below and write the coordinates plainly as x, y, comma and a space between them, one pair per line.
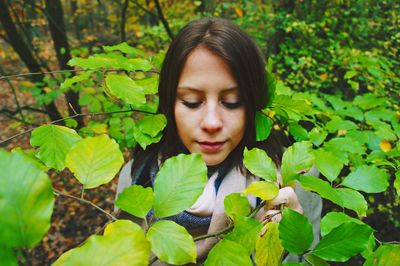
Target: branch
163, 20
74, 116
144, 9
59, 193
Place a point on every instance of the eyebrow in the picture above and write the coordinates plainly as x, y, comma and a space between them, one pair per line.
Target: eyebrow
227, 90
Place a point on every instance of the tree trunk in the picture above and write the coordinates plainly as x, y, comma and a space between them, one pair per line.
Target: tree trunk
22, 49
54, 14
123, 20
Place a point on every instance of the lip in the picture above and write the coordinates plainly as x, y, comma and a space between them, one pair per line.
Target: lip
211, 147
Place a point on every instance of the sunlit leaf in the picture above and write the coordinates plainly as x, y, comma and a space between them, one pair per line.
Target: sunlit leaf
385, 255
245, 233
353, 200
149, 84
122, 227
171, 243
95, 160
298, 158
152, 125
69, 82
125, 48
269, 250
7, 256
343, 242
262, 189
226, 253
54, 142
126, 89
236, 206
26, 201
136, 200
178, 184
367, 178
321, 187
294, 240
259, 164
327, 164
331, 220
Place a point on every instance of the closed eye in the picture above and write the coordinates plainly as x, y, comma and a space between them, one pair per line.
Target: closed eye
191, 105
232, 105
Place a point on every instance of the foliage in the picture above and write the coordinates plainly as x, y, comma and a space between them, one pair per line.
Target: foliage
335, 95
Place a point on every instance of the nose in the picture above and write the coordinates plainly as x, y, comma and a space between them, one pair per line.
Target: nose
212, 119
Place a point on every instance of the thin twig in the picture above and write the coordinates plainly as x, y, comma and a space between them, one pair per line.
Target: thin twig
163, 20
74, 116
143, 8
59, 193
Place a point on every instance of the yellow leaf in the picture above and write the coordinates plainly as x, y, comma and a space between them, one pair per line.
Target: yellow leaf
324, 76
268, 247
151, 5
342, 132
262, 189
385, 145
239, 12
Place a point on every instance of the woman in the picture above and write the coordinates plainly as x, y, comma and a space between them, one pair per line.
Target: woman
212, 82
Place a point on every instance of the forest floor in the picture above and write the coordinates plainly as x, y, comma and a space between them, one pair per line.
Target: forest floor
74, 221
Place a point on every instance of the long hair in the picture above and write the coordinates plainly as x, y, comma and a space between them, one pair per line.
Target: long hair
240, 53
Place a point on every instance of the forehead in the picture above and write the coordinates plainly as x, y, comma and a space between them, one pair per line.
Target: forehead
205, 71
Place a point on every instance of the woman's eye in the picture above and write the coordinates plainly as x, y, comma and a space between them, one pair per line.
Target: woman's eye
191, 105
232, 105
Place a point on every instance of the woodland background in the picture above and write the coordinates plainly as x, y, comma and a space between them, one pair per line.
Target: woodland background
314, 46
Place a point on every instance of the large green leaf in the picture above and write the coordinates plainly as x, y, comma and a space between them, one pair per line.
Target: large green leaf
262, 189
227, 253
294, 240
367, 178
126, 89
136, 200
171, 243
149, 84
386, 255
122, 227
245, 233
26, 201
321, 187
263, 126
116, 247
327, 164
297, 158
269, 249
54, 142
334, 219
259, 164
152, 125
95, 160
353, 200
178, 184
125, 48
315, 261
343, 242
236, 206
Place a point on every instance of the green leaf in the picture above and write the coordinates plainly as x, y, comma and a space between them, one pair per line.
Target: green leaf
125, 48
263, 126
317, 136
236, 206
122, 227
315, 261
245, 233
269, 250
178, 184
114, 248
26, 201
343, 242
368, 101
385, 255
69, 82
226, 253
126, 89
259, 164
136, 200
298, 132
345, 144
262, 189
54, 142
327, 164
95, 160
370, 247
298, 158
321, 187
397, 183
7, 256
334, 219
271, 82
149, 84
152, 125
367, 178
171, 243
294, 240
339, 124
353, 200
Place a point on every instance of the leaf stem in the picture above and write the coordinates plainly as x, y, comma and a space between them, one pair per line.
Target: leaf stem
59, 193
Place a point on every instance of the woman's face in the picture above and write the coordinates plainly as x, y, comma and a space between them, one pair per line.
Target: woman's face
209, 114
